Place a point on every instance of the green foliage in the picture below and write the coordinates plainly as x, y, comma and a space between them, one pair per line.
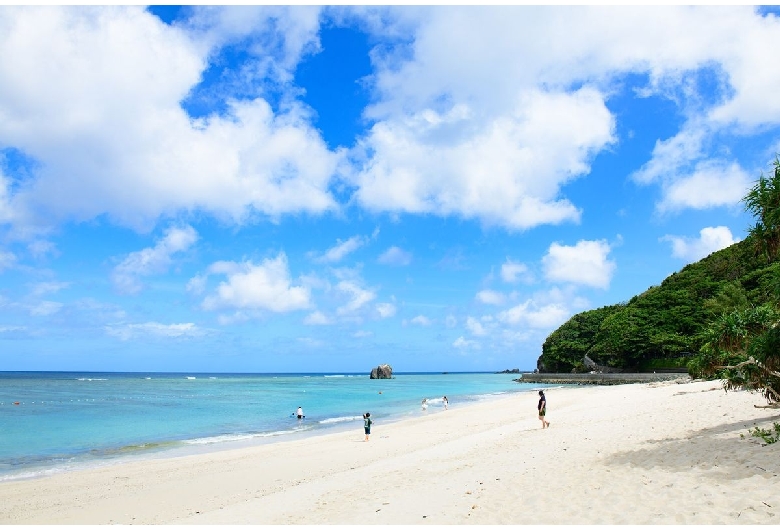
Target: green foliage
723, 308
743, 347
666, 321
565, 348
763, 201
768, 435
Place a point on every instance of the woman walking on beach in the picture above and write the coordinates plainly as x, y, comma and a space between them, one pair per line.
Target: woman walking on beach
542, 407
367, 424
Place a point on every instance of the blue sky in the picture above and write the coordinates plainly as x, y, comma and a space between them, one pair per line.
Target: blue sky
288, 188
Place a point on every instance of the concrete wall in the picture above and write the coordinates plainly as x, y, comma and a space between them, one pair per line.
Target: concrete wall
599, 379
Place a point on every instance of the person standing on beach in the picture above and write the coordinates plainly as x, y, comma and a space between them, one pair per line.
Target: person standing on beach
542, 407
367, 424
446, 402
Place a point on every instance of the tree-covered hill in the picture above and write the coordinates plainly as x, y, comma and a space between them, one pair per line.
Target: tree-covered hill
664, 326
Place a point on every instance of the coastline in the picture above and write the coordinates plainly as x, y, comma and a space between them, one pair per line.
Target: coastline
683, 449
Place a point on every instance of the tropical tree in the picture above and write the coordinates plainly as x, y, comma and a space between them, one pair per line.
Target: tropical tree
743, 347
763, 201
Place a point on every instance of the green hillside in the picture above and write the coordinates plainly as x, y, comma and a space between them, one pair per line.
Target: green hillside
662, 327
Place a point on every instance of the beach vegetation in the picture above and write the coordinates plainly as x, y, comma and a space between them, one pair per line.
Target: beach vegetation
770, 436
719, 317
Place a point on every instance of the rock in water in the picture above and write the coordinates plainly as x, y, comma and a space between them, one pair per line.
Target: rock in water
383, 371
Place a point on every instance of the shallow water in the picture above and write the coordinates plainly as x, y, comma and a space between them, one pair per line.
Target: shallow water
68, 419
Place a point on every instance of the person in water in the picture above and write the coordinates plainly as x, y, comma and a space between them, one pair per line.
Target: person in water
424, 404
299, 413
367, 424
542, 407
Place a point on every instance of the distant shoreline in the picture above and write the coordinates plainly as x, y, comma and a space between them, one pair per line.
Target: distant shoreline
603, 379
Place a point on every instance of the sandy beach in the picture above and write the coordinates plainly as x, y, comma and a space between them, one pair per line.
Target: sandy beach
659, 453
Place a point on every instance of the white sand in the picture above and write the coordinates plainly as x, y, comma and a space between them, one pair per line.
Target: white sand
629, 454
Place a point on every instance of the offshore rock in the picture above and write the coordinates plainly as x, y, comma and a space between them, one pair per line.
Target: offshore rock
383, 371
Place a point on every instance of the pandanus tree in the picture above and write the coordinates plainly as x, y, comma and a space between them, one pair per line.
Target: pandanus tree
763, 201
743, 347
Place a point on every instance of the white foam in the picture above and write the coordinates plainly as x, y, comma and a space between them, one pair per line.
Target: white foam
341, 419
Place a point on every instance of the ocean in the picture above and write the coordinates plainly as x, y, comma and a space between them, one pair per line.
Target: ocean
57, 421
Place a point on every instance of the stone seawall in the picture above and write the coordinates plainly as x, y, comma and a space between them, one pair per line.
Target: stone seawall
601, 379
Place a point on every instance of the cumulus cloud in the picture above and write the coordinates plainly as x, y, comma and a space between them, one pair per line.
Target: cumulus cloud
475, 327
487, 296
395, 256
154, 329
462, 343
152, 260
709, 186
265, 286
545, 310
317, 318
461, 137
421, 320
585, 263
386, 310
710, 239
356, 295
502, 171
512, 272
124, 147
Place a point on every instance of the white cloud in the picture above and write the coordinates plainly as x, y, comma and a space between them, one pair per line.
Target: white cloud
709, 186
475, 327
358, 297
317, 318
124, 147
386, 310
266, 286
449, 134
487, 296
512, 272
421, 320
585, 263
462, 343
503, 170
155, 329
545, 310
710, 239
7, 260
532, 315
152, 260
43, 288
45, 308
395, 256
341, 249
197, 284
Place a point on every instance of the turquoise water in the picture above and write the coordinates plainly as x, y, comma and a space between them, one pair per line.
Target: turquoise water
66, 419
